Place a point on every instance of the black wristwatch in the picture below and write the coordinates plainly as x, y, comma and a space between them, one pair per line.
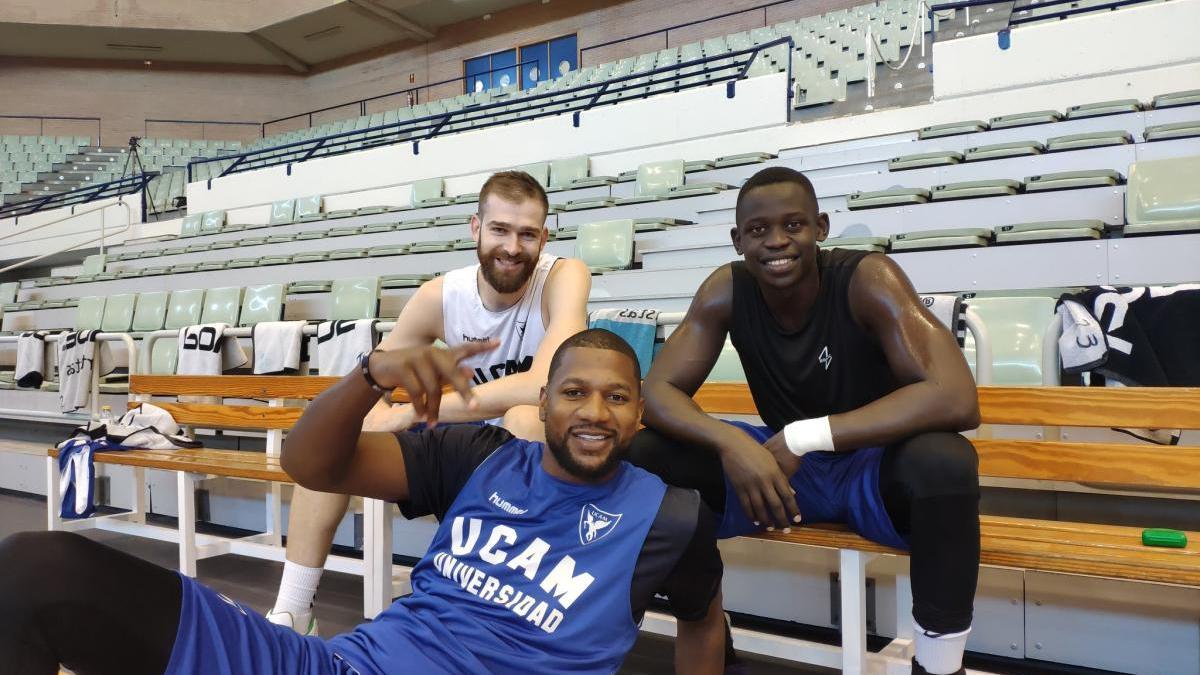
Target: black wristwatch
364, 366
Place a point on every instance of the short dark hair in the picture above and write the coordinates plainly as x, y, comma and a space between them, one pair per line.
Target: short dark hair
595, 338
771, 176
514, 186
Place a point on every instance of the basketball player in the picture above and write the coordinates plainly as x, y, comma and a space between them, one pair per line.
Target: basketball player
861, 391
544, 561
528, 300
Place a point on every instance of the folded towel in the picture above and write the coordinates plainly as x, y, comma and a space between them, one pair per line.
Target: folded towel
77, 357
637, 326
340, 343
31, 359
1081, 345
950, 311
279, 347
203, 350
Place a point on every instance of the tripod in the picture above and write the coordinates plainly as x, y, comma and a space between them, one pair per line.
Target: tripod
133, 167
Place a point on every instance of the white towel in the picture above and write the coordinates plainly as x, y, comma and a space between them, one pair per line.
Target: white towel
76, 359
340, 343
949, 310
279, 347
204, 351
1081, 344
31, 359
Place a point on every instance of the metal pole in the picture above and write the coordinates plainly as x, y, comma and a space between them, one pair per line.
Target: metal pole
923, 10
869, 62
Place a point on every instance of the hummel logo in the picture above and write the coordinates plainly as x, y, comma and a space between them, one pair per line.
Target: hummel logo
825, 358
505, 505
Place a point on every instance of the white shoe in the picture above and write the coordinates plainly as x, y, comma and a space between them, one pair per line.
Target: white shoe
287, 619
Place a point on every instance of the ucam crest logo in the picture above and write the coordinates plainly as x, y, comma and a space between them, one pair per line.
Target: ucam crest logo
595, 524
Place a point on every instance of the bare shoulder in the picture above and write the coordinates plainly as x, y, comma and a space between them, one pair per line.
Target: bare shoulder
568, 269
878, 288
714, 298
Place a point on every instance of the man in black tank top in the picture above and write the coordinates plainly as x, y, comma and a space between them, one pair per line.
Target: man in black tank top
862, 393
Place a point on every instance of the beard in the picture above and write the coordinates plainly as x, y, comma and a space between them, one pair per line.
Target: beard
505, 282
558, 446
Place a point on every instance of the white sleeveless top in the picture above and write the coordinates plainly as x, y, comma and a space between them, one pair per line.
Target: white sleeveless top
519, 328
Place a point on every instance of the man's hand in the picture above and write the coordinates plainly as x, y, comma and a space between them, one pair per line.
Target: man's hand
422, 371
761, 486
788, 462
392, 417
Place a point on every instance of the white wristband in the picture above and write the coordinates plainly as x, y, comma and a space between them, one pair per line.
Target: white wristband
804, 436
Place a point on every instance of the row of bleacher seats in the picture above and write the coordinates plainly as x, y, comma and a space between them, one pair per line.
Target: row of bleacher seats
22, 158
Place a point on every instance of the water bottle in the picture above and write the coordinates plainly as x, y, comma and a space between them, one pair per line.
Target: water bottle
106, 416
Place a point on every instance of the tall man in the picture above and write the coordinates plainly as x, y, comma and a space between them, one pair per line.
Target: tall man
546, 557
529, 300
861, 391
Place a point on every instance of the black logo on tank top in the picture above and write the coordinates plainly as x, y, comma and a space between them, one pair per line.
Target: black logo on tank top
499, 370
825, 358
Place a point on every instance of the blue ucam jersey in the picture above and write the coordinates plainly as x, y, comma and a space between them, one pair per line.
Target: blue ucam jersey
527, 573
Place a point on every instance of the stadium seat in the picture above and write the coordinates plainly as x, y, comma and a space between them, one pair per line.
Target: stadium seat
1097, 139
356, 298
539, 171
976, 188
184, 309
742, 159
1025, 119
655, 180
348, 253
118, 313
90, 313
876, 244
190, 226
892, 197
728, 367
1103, 108
1064, 180
1176, 98
952, 129
374, 228
1163, 196
428, 193
8, 291
150, 311
283, 212
311, 256
213, 221
1163, 132
1004, 150
1015, 326
934, 239
93, 264
605, 245
1051, 230
404, 280
393, 249
924, 159
222, 305
262, 303
566, 171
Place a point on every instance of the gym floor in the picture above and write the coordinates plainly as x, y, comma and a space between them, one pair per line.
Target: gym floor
339, 602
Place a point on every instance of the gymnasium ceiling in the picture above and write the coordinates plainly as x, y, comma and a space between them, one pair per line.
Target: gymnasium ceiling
297, 34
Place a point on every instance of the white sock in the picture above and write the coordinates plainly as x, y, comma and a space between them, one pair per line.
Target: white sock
939, 654
297, 590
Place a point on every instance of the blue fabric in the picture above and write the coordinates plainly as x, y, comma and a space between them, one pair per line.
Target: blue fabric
521, 576
639, 331
76, 465
831, 487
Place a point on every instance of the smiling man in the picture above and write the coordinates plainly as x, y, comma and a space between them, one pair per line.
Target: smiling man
527, 299
544, 561
860, 389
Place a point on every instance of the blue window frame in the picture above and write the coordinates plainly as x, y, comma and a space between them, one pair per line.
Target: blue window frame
538, 62
534, 59
564, 56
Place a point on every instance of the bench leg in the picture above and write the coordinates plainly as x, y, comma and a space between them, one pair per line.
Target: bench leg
377, 557
902, 647
187, 522
138, 501
275, 514
853, 583
53, 497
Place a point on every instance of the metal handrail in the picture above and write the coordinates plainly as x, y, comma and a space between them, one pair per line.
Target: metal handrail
577, 99
103, 233
42, 122
113, 188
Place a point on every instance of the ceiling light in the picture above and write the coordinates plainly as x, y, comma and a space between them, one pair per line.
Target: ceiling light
487, 17
324, 33
120, 46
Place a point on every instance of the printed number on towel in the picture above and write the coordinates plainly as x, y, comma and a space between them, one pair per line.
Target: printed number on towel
204, 340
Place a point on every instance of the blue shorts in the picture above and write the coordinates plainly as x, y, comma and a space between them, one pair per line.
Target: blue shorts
217, 636
831, 487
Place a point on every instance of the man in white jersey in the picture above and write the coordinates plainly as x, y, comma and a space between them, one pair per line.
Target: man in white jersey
528, 300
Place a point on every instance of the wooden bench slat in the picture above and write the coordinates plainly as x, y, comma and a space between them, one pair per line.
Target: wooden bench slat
1146, 407
208, 415
232, 386
260, 472
1109, 463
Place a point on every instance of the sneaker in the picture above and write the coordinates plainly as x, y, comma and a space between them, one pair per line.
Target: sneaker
287, 619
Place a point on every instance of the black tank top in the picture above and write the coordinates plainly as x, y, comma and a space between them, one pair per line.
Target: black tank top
829, 366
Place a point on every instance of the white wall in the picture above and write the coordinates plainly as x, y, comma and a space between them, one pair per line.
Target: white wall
22, 240
1102, 43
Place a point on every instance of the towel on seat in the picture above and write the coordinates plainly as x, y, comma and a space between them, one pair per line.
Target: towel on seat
1081, 345
950, 311
76, 361
146, 426
340, 343
203, 350
31, 359
279, 347
636, 326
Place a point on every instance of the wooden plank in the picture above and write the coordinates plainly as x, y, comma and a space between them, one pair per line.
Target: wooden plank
232, 386
1146, 407
1108, 463
225, 463
212, 416
726, 398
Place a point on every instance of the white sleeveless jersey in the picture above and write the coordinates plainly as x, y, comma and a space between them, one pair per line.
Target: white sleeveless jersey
519, 328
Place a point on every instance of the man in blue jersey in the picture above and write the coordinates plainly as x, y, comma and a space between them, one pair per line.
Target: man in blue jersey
545, 559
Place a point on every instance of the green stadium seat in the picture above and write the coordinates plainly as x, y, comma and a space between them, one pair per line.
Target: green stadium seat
924, 159
876, 244
728, 367
442, 221
430, 247
605, 245
742, 159
310, 256
8, 291
262, 303
1053, 230
540, 172
173, 250
467, 244
952, 129
213, 221
344, 231
212, 265
197, 248
564, 172
341, 213
311, 234
371, 210
935, 239
417, 224
309, 208
283, 212
90, 313
375, 228
1125, 105
1177, 98
1064, 180
429, 193
1024, 119
190, 226
404, 280
587, 203
655, 180
976, 188
1004, 150
1096, 139
1163, 132
1015, 326
1163, 196
275, 259
281, 238
355, 299
311, 286
93, 264
348, 253
881, 198
150, 311
394, 249
222, 305
118, 313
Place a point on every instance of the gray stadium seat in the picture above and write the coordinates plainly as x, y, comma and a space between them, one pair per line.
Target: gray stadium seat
1163, 132
1053, 230
976, 188
1124, 105
1003, 150
925, 159
1064, 180
892, 197
1025, 119
1095, 139
876, 244
1177, 98
1163, 196
935, 239
952, 129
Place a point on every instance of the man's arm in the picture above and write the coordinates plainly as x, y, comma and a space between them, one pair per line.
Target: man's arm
566, 295
700, 644
418, 325
327, 450
679, 370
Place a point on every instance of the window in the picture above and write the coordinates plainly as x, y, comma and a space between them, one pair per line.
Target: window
537, 63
